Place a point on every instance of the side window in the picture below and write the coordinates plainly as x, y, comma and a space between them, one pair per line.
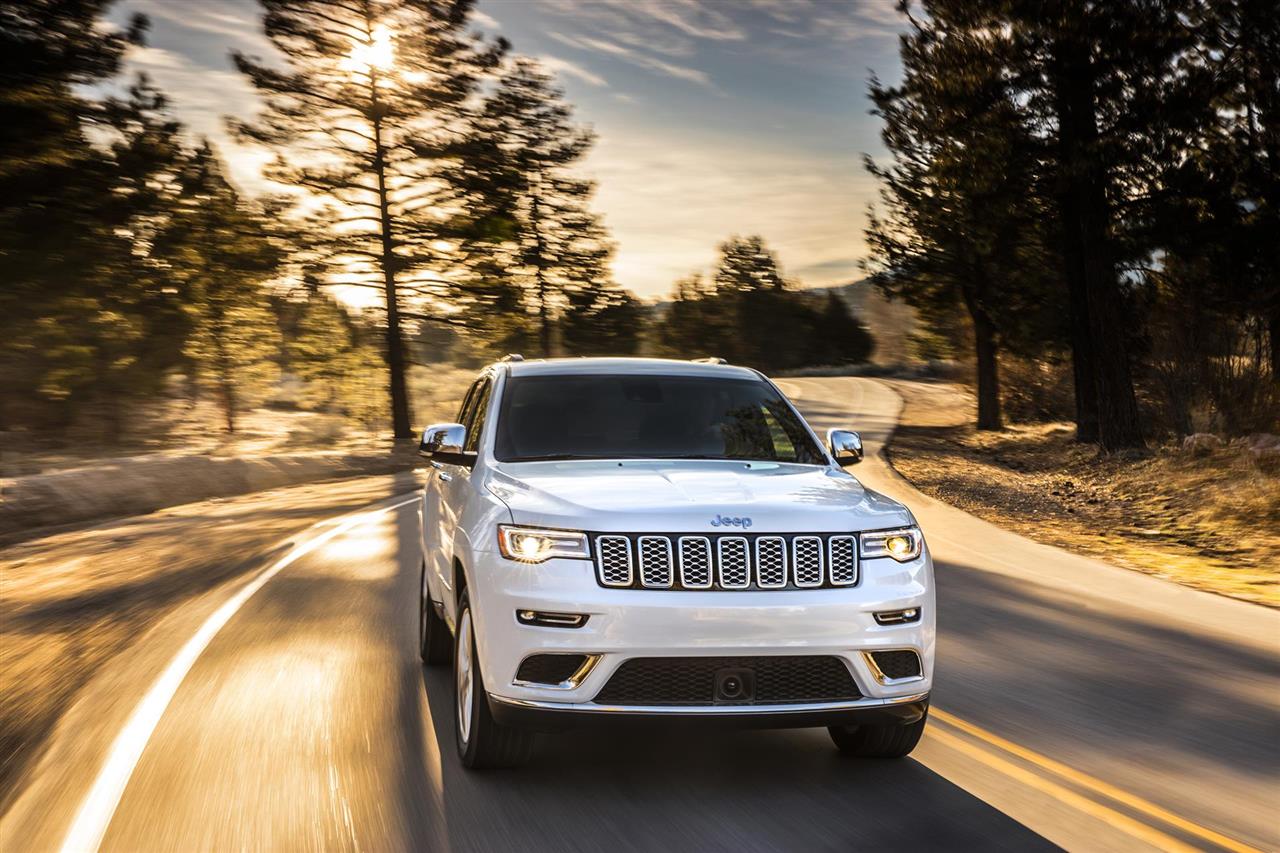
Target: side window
465, 411
476, 428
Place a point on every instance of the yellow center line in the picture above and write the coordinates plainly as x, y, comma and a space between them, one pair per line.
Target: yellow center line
1110, 816
1084, 780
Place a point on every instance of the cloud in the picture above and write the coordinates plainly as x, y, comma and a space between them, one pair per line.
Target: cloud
485, 20
643, 60
243, 28
566, 68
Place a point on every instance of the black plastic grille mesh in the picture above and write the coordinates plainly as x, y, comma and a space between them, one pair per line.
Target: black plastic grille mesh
549, 669
691, 680
898, 664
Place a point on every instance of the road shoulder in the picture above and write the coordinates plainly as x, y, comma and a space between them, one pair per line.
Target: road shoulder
1204, 522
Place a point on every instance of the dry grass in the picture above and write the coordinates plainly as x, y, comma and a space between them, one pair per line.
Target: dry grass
1212, 522
178, 427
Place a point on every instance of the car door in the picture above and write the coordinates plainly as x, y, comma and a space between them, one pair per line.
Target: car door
455, 480
437, 532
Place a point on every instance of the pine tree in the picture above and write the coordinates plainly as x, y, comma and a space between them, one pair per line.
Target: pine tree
218, 247
53, 184
548, 240
601, 320
366, 114
960, 224
746, 265
1104, 82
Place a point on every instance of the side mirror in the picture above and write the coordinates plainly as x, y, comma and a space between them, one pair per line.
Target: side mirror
846, 446
444, 443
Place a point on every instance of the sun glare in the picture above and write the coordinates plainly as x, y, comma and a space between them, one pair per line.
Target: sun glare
377, 55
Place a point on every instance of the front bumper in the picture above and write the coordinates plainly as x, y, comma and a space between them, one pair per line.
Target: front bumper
559, 716
634, 623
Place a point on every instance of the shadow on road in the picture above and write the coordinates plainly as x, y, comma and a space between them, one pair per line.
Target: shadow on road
1049, 670
766, 790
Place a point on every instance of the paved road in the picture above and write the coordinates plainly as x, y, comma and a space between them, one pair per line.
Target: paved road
1076, 705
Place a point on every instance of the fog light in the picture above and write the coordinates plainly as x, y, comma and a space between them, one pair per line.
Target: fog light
551, 620
898, 617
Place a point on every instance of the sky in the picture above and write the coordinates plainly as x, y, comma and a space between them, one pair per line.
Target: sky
713, 117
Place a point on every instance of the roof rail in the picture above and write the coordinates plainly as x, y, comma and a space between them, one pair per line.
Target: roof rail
711, 359
512, 356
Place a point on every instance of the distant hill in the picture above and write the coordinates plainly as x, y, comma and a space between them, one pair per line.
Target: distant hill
890, 323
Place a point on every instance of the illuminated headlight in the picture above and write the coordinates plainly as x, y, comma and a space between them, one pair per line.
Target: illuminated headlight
533, 545
902, 544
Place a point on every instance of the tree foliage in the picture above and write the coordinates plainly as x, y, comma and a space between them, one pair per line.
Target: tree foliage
748, 314
961, 227
1113, 163
369, 114
543, 247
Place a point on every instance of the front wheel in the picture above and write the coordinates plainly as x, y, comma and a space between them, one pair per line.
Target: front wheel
483, 742
433, 634
884, 740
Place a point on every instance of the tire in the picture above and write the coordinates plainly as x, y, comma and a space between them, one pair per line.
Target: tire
888, 740
482, 741
435, 646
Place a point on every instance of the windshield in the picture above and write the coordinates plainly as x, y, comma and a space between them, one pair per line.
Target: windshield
602, 416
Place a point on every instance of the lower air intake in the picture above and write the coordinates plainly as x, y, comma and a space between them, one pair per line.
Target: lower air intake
549, 669
897, 664
692, 680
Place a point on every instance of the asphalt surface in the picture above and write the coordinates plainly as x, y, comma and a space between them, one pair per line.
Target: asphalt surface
1075, 704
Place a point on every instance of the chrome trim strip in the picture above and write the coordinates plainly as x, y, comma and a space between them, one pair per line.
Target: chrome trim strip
880, 676
571, 683
745, 710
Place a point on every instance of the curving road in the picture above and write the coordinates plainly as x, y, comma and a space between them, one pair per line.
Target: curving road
1076, 705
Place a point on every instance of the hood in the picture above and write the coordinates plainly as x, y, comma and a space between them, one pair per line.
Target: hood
690, 496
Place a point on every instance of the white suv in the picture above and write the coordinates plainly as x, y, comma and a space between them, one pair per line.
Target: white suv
623, 539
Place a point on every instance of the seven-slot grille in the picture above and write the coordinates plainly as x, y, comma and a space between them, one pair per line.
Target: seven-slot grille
754, 561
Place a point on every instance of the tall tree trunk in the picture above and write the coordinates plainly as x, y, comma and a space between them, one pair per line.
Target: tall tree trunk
540, 275
1082, 368
400, 420
1273, 334
223, 370
984, 339
1086, 216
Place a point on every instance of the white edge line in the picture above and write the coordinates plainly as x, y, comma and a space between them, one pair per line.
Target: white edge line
99, 805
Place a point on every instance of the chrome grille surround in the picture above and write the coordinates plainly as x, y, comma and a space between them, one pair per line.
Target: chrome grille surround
842, 560
613, 560
655, 562
726, 562
695, 562
735, 562
806, 560
771, 562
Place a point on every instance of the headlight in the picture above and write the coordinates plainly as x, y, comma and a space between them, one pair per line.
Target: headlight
534, 545
902, 544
